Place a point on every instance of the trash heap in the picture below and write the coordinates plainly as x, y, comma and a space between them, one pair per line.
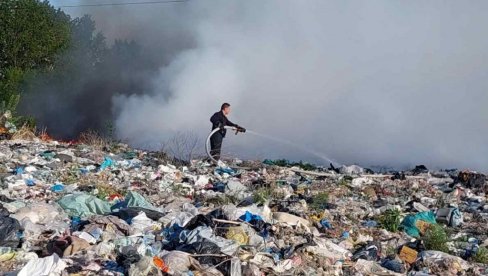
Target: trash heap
7, 127
75, 209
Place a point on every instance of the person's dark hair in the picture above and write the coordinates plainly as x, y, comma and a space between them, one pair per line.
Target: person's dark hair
224, 106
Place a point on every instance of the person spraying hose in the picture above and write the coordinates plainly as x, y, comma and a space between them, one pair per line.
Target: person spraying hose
219, 120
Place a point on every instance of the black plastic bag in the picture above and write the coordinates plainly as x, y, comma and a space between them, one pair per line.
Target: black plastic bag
9, 230
199, 220
393, 265
128, 213
4, 212
128, 258
4, 198
370, 252
203, 247
207, 247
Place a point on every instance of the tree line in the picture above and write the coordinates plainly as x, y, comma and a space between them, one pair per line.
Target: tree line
57, 68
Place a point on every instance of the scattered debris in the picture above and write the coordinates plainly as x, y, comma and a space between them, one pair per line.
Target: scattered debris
96, 208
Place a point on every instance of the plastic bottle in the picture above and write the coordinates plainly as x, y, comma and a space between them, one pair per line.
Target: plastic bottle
235, 267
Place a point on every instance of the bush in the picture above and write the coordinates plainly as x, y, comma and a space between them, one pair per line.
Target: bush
319, 202
481, 256
286, 163
27, 121
435, 238
390, 220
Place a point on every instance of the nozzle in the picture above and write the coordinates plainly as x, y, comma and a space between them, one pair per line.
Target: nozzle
240, 129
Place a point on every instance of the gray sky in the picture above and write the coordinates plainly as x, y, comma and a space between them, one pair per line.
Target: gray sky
392, 83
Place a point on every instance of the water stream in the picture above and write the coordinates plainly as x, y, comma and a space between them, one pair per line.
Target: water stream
295, 145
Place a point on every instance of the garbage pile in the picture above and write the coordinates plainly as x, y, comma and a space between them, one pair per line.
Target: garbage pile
7, 127
75, 209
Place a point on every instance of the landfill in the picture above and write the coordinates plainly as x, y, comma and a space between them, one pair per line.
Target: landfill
79, 209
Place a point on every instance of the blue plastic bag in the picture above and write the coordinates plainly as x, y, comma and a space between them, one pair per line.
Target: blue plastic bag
247, 217
107, 162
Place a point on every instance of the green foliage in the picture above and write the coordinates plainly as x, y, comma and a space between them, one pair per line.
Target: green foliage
286, 163
222, 200
32, 34
435, 238
481, 256
305, 166
319, 202
28, 121
110, 129
9, 88
261, 195
390, 220
104, 191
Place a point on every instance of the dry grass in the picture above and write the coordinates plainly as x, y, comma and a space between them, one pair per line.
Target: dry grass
42, 134
182, 147
93, 139
24, 133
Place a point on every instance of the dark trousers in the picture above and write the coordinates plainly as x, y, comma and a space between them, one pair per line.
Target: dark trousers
216, 145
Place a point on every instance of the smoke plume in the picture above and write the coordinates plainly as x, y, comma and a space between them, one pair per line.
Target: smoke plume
374, 83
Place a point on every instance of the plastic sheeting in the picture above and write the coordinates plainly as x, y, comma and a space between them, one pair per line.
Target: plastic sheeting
52, 266
40, 212
133, 199
83, 205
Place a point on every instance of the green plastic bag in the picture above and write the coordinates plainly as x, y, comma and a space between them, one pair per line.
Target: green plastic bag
133, 199
84, 205
409, 223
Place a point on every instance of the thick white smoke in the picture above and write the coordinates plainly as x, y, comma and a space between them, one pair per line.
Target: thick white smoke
374, 83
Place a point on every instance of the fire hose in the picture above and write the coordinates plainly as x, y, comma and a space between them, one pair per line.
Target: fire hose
207, 143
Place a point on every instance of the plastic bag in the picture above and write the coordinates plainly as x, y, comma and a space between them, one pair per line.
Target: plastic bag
134, 199
128, 257
144, 267
410, 223
370, 252
83, 205
372, 268
9, 232
203, 247
199, 234
179, 262
450, 216
140, 223
442, 262
128, 213
40, 213
52, 265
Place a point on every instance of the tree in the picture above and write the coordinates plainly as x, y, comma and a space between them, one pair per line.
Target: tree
32, 33
84, 81
67, 84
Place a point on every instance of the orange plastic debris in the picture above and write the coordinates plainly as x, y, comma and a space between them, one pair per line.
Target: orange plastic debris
408, 255
158, 262
115, 196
